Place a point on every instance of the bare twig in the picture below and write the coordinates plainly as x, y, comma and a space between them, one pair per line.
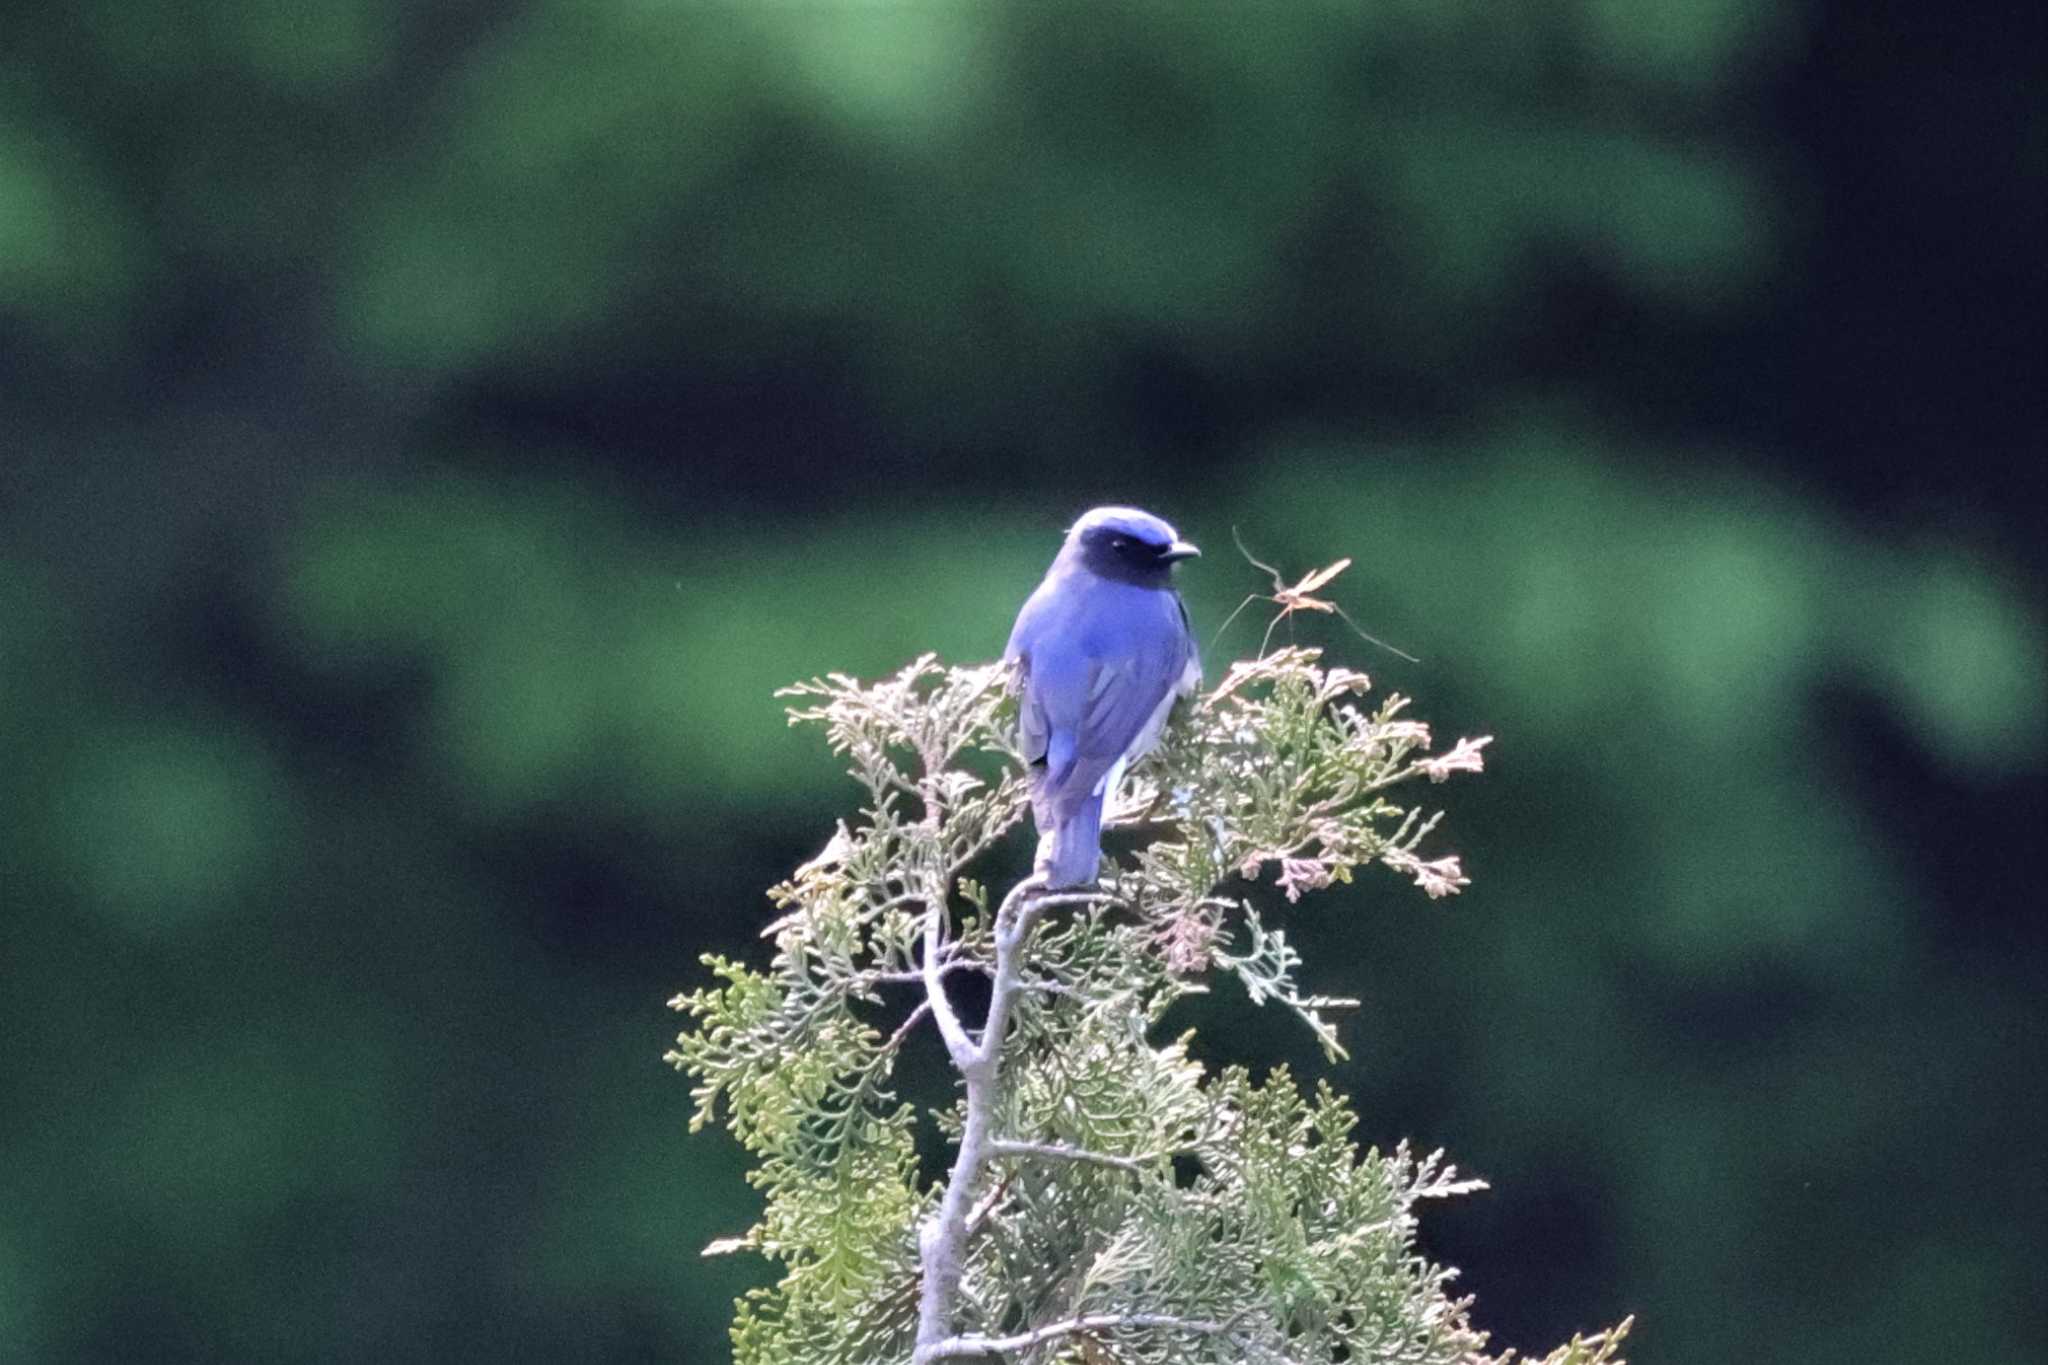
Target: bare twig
903, 1029
957, 1045
917, 977
1060, 1151
1060, 899
985, 1210
976, 1345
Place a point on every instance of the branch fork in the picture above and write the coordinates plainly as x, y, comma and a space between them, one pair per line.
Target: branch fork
942, 1241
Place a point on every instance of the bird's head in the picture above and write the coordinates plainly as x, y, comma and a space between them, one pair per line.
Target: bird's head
1128, 545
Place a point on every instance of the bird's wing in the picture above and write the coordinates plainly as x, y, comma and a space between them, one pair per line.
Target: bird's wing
1053, 711
1096, 710
1034, 722
1034, 728
1122, 696
1078, 711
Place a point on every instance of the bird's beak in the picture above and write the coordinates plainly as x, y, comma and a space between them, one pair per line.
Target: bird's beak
1180, 549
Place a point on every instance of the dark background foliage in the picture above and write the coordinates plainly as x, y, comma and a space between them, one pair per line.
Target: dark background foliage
428, 433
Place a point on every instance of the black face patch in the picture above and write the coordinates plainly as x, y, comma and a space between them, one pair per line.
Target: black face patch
1116, 553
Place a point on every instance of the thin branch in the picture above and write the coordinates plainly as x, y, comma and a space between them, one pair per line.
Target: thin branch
1019, 915
942, 1241
1059, 899
976, 1345
906, 978
888, 776
1060, 1151
1145, 819
903, 1029
987, 1206
879, 907
958, 1046
934, 991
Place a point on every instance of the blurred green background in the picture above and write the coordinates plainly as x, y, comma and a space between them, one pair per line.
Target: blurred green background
429, 432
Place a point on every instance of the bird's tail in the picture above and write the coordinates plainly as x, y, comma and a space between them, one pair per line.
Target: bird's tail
1071, 851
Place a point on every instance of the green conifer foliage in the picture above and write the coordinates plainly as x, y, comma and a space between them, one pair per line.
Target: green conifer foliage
1109, 1198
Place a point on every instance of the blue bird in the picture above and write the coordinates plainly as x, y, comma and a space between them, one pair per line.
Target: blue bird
1102, 649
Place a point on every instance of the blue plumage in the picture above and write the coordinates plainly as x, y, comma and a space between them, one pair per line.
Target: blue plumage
1102, 648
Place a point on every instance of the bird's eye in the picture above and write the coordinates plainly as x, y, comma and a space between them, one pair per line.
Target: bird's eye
1119, 544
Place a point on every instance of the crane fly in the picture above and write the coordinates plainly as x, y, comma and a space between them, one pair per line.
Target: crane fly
1300, 597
